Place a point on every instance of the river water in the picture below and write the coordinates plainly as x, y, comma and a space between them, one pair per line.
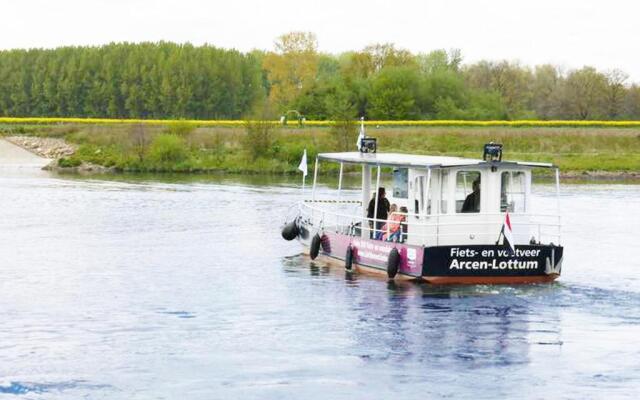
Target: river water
139, 288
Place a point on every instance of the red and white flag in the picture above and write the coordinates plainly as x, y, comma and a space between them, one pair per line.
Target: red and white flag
507, 233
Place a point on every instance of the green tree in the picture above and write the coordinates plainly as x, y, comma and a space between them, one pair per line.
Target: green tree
439, 60
169, 80
393, 94
509, 79
292, 68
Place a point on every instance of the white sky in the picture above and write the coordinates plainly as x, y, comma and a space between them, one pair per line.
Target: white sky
569, 33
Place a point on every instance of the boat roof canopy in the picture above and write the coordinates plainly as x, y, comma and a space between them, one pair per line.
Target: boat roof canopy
419, 161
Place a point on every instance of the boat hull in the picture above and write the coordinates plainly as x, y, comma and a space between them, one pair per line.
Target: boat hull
447, 265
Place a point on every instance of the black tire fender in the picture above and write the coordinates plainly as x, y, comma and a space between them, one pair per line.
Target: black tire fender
393, 263
325, 244
290, 231
348, 259
315, 246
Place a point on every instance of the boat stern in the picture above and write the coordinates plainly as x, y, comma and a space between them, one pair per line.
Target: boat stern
492, 264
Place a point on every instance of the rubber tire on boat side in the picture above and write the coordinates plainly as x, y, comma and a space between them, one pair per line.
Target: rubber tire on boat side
290, 231
348, 259
315, 246
393, 262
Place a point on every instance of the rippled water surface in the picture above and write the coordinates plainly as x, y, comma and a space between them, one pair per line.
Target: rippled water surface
136, 289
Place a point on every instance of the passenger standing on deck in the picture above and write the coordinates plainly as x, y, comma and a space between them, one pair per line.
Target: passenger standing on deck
383, 210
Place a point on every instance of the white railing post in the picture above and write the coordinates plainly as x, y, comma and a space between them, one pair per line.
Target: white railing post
366, 190
539, 233
426, 195
315, 180
558, 203
339, 192
340, 182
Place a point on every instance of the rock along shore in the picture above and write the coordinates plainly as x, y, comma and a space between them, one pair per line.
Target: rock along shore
54, 149
46, 147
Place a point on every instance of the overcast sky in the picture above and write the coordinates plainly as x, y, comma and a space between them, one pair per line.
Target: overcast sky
569, 33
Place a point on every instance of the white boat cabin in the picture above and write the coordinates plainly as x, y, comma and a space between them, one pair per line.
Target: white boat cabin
448, 200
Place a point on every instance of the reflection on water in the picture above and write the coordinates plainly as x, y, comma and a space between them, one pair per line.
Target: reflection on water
182, 288
439, 325
24, 388
428, 335
350, 180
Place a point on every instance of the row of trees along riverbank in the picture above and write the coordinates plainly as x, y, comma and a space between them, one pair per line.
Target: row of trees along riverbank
167, 80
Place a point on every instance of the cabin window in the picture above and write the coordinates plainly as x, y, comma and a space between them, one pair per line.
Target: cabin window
400, 183
421, 196
512, 193
467, 192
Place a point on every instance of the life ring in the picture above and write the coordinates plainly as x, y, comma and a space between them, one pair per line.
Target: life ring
290, 231
315, 246
348, 259
393, 262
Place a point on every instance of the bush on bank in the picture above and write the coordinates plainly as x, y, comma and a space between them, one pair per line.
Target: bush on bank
168, 149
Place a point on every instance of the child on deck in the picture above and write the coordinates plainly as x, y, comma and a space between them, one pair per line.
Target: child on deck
391, 230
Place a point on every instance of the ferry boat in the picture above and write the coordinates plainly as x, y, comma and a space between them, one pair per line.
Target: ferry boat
457, 221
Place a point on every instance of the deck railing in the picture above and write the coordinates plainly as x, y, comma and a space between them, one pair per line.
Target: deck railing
435, 228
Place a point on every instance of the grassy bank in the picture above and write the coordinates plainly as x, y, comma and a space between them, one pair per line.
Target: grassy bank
183, 147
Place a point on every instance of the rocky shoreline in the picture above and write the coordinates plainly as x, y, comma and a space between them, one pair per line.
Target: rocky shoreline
45, 147
54, 149
600, 175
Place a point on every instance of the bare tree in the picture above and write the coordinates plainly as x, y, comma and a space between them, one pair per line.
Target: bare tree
616, 92
583, 93
386, 54
344, 130
544, 88
139, 140
632, 103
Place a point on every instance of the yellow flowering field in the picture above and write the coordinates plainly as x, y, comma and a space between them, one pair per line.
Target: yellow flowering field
234, 123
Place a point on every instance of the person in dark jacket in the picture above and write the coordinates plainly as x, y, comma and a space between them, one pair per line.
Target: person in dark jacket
472, 202
383, 210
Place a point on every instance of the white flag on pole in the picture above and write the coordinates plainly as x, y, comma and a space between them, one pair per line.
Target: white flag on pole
361, 135
507, 233
303, 164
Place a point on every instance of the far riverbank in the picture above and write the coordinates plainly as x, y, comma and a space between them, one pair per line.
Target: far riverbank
581, 153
